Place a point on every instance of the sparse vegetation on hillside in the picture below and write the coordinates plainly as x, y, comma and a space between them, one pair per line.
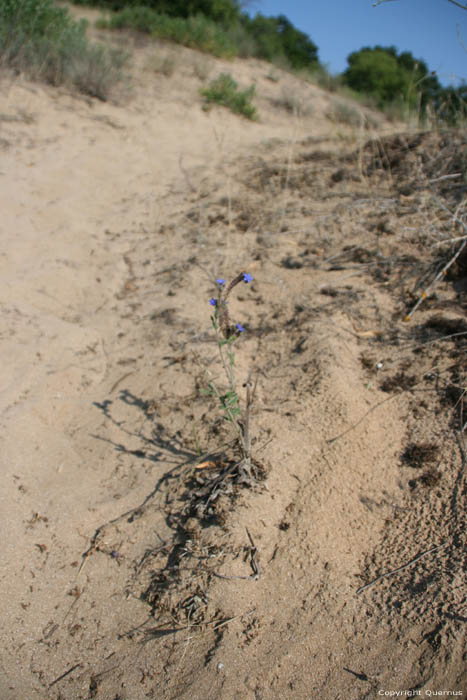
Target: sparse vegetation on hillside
42, 40
379, 77
197, 32
215, 26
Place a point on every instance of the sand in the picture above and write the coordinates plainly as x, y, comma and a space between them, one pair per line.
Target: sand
117, 217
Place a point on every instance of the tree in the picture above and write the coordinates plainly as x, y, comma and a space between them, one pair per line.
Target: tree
391, 77
298, 47
277, 36
223, 11
450, 104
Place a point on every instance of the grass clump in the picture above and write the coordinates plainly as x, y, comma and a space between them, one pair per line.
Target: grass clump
202, 68
292, 101
42, 40
164, 63
196, 32
319, 75
224, 91
343, 113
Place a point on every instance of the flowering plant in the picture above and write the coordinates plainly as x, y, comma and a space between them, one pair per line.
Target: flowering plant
227, 333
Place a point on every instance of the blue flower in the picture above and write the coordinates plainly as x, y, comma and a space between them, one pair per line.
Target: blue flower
220, 281
239, 328
213, 302
247, 277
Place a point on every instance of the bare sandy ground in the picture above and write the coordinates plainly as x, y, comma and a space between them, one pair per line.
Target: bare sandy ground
116, 219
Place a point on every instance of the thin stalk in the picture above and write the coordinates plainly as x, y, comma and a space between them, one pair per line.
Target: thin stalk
229, 372
225, 408
246, 431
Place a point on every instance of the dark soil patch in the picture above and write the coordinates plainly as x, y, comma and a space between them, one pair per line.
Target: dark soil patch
417, 455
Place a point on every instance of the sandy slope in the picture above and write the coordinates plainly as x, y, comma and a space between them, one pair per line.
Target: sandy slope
115, 219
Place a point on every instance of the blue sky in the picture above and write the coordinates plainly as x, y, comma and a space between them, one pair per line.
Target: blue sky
429, 29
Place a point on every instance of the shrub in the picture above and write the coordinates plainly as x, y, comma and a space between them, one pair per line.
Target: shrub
41, 39
202, 67
140, 18
96, 70
27, 24
224, 91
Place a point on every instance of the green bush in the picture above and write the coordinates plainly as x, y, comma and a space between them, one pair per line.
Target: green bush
26, 22
41, 39
140, 18
224, 91
195, 32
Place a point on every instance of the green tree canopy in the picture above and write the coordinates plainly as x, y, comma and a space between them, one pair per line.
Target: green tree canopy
389, 77
277, 36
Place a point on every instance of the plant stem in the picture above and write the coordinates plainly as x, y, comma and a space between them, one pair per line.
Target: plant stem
228, 369
227, 410
246, 431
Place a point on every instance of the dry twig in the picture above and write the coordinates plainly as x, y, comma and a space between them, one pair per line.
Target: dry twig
400, 568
